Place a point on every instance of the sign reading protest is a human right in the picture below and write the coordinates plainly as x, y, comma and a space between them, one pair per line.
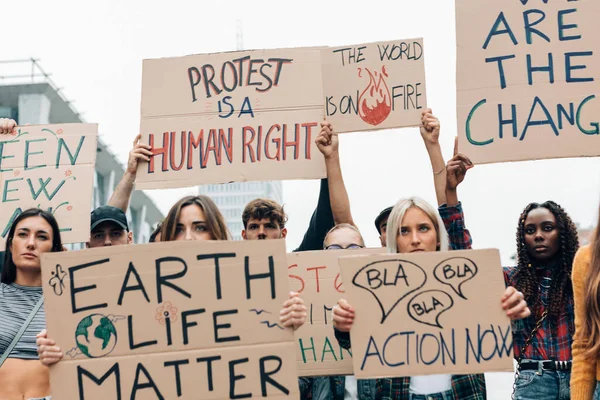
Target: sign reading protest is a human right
49, 167
237, 116
179, 320
374, 85
427, 313
528, 79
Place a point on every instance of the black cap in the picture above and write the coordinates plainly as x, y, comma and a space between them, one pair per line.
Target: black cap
109, 214
383, 214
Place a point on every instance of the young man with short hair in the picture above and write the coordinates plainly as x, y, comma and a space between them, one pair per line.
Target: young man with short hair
266, 219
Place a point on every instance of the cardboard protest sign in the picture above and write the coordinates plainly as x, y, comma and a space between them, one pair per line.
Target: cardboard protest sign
239, 116
189, 319
49, 167
374, 85
427, 313
528, 77
316, 276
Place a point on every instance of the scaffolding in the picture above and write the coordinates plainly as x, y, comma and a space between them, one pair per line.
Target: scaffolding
29, 71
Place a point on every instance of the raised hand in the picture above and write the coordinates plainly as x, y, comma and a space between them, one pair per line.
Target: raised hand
430, 127
327, 141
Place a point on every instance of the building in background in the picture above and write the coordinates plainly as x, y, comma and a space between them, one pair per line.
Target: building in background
28, 95
231, 198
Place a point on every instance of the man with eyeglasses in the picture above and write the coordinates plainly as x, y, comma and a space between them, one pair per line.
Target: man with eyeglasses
343, 237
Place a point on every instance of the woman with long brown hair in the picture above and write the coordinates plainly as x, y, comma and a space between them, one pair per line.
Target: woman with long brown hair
22, 316
194, 218
586, 345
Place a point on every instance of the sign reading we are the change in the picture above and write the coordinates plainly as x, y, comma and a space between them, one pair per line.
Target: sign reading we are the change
49, 167
179, 320
374, 85
528, 79
427, 313
316, 276
238, 116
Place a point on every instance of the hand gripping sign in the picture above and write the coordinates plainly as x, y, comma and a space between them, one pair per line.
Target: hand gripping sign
427, 313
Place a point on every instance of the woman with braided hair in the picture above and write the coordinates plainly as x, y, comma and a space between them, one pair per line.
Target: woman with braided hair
546, 246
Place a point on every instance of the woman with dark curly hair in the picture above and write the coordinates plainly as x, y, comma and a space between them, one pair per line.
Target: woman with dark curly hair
546, 246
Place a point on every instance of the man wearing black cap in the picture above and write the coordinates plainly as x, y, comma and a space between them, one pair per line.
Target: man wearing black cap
109, 228
381, 225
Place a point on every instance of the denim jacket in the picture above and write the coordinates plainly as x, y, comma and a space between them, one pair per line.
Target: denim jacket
332, 388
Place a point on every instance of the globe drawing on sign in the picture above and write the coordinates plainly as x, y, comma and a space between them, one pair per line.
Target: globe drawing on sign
96, 336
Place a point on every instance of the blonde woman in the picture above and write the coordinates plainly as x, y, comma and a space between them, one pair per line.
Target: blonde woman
414, 225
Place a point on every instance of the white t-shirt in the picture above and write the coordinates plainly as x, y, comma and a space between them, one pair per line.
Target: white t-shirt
351, 388
430, 384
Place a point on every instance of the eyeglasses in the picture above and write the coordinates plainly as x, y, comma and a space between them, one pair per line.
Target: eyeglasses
352, 246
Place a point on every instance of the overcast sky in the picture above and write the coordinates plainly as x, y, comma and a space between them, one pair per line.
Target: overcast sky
94, 50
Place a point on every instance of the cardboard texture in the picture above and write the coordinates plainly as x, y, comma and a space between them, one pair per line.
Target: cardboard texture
427, 313
239, 116
49, 167
527, 79
170, 320
316, 276
374, 85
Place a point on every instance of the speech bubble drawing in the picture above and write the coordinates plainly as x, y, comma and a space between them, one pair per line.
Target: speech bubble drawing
426, 307
393, 280
454, 272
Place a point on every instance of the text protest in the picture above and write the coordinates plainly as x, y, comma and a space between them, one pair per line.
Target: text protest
49, 167
316, 276
428, 313
170, 320
528, 79
238, 116
374, 85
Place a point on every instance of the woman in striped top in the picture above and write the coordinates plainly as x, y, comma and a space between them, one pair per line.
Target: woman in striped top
32, 233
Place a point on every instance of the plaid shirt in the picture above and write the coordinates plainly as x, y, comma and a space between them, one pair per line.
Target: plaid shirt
464, 387
554, 338
548, 344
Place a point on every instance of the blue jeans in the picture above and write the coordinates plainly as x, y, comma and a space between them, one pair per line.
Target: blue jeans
543, 385
448, 395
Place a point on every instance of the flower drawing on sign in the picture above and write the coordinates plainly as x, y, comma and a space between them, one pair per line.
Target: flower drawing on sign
17, 172
69, 208
68, 172
59, 131
166, 311
374, 103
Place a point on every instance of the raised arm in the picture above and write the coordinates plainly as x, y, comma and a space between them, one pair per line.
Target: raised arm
451, 212
122, 194
455, 173
430, 132
328, 144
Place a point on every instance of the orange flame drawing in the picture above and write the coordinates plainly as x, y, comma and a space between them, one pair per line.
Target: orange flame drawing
374, 104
